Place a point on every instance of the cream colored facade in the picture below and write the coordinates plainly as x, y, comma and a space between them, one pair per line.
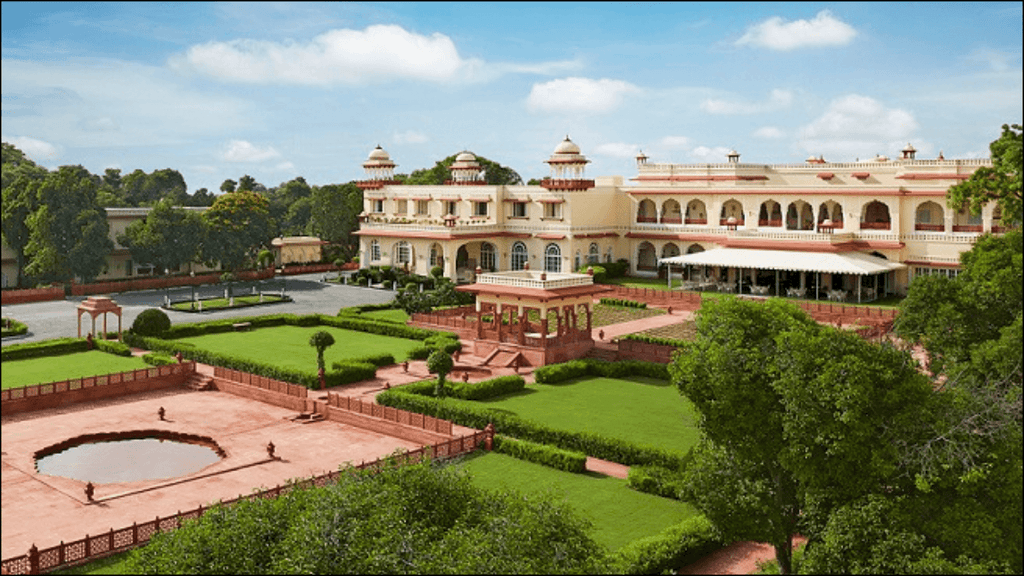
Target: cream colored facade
296, 250
890, 208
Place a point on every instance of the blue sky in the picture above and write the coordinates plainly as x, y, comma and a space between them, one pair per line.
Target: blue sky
283, 90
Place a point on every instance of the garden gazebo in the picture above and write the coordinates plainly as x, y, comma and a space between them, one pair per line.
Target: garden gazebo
94, 306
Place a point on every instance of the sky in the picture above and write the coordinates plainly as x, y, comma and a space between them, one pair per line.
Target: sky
280, 90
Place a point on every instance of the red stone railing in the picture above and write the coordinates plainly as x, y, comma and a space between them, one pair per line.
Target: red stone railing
930, 227
52, 394
679, 299
289, 270
91, 548
390, 414
278, 386
875, 225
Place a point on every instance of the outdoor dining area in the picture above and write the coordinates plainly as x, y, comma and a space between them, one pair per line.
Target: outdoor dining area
837, 277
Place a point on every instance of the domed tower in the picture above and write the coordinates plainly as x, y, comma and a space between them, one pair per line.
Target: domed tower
567, 166
380, 170
466, 170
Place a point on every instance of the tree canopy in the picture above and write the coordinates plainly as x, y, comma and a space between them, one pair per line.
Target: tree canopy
167, 238
494, 173
416, 519
1001, 183
239, 224
21, 177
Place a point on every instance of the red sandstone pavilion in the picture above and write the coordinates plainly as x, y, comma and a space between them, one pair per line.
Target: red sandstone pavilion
511, 338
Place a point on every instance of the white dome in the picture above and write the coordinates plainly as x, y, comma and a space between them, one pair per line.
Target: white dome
465, 157
378, 153
567, 147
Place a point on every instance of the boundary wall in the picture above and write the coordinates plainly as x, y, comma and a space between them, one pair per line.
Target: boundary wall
90, 388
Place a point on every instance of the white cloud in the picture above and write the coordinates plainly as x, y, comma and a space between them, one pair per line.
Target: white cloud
859, 126
409, 137
284, 166
617, 150
713, 155
993, 60
776, 99
379, 53
777, 34
675, 141
579, 95
242, 151
769, 132
36, 150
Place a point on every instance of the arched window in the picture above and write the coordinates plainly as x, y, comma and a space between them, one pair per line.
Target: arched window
646, 257
519, 256
552, 258
694, 248
929, 216
487, 259
577, 262
876, 217
403, 253
374, 251
436, 255
696, 213
731, 209
595, 254
646, 212
608, 255
770, 214
670, 213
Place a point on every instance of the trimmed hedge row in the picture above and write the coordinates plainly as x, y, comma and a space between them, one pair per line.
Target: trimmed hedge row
488, 388
623, 303
13, 328
342, 373
382, 359
113, 347
55, 347
670, 549
553, 373
356, 310
565, 460
346, 322
657, 480
157, 359
473, 415
653, 339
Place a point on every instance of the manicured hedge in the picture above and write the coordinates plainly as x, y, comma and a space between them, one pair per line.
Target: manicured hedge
488, 388
653, 339
419, 353
382, 359
669, 550
356, 310
157, 359
656, 480
553, 373
13, 328
55, 347
347, 322
624, 303
473, 415
113, 347
565, 460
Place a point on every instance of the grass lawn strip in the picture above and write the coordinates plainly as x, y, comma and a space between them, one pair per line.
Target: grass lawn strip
222, 303
681, 331
605, 314
288, 346
20, 373
639, 410
394, 315
619, 514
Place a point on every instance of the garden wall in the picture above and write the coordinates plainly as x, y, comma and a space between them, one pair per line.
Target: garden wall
166, 282
262, 389
387, 420
55, 394
8, 297
636, 350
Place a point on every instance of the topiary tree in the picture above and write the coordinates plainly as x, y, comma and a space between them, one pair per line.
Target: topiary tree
265, 258
321, 340
151, 322
440, 363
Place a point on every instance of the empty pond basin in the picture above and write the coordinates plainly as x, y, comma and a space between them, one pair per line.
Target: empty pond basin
128, 460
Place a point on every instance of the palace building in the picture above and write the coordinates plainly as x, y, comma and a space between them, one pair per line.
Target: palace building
856, 230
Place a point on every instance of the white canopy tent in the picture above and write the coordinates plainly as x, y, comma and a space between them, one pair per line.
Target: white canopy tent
785, 260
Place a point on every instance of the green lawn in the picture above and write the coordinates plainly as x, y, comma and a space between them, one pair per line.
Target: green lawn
638, 282
288, 346
222, 303
18, 373
639, 410
393, 315
619, 513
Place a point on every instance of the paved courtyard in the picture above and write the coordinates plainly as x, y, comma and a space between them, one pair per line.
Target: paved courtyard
57, 319
44, 509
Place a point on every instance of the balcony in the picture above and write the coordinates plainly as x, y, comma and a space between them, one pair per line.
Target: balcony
725, 222
876, 225
697, 221
930, 227
646, 219
967, 228
566, 184
671, 220
770, 223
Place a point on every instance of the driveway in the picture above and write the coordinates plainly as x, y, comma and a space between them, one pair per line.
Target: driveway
57, 319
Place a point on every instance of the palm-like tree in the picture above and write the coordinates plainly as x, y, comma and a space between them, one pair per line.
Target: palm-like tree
321, 340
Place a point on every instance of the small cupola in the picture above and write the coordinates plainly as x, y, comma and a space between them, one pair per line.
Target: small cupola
908, 152
567, 165
466, 169
379, 168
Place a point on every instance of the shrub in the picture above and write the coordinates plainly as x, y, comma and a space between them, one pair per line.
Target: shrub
55, 347
616, 269
436, 271
113, 347
554, 373
151, 322
421, 388
420, 353
600, 273
382, 359
673, 547
653, 340
157, 359
624, 303
489, 388
565, 460
447, 343
656, 480
13, 328
362, 281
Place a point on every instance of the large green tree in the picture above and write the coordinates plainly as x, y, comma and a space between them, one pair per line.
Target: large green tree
494, 173
334, 212
796, 418
290, 207
417, 519
141, 189
21, 177
168, 238
1001, 183
239, 224
69, 234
